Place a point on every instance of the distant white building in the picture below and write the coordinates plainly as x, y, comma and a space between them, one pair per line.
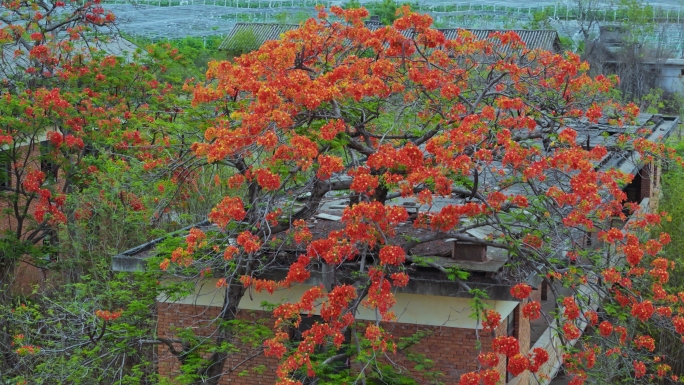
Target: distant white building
671, 77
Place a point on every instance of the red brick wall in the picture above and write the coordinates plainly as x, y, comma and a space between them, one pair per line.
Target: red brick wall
453, 350
646, 182
650, 184
26, 277
200, 319
8, 222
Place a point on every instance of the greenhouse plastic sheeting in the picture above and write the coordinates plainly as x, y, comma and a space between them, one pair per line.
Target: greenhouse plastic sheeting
173, 19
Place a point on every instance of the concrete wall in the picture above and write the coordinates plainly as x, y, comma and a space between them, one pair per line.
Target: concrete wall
671, 79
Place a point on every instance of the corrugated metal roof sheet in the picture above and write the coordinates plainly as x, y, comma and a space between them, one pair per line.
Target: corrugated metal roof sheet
533, 39
545, 39
262, 32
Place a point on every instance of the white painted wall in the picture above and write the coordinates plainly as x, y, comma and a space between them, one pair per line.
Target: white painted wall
410, 308
671, 79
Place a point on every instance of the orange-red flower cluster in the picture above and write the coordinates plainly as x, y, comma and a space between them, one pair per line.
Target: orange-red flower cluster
506, 345
643, 311
521, 291
491, 320
249, 242
229, 209
532, 310
518, 364
107, 315
392, 255
644, 342
605, 328
489, 359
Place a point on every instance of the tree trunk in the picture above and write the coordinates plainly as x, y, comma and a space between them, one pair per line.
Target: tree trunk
213, 372
7, 271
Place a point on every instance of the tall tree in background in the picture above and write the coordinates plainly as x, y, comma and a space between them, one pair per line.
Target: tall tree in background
623, 38
589, 15
40, 53
81, 111
333, 107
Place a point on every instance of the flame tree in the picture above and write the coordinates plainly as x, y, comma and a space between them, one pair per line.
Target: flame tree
403, 112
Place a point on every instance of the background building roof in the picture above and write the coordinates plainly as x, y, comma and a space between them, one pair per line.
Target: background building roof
545, 39
253, 35
115, 45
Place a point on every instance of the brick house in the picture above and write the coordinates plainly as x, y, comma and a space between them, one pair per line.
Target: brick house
431, 303
29, 156
436, 306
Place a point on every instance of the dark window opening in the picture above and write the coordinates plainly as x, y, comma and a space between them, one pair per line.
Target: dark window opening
632, 193
5, 171
634, 190
47, 166
510, 324
307, 322
510, 331
90, 150
50, 244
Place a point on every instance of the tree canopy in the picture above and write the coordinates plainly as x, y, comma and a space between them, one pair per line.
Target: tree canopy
76, 99
489, 141
402, 112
